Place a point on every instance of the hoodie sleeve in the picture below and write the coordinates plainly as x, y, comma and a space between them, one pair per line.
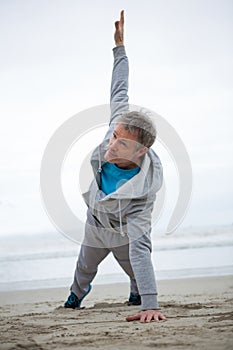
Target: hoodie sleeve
119, 85
138, 228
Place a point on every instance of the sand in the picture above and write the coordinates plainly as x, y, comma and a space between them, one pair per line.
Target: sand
199, 316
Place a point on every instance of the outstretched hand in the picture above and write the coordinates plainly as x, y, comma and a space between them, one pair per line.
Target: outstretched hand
147, 316
119, 30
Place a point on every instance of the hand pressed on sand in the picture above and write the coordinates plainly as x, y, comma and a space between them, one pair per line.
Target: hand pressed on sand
147, 316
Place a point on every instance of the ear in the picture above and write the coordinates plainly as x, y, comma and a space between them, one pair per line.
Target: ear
141, 151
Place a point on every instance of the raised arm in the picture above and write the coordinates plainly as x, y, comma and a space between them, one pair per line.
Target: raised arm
119, 85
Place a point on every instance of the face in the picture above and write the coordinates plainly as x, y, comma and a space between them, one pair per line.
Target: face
123, 149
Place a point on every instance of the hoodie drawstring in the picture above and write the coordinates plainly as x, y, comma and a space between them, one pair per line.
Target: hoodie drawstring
120, 219
100, 165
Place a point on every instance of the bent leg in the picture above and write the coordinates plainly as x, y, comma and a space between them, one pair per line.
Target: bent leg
92, 252
121, 254
86, 268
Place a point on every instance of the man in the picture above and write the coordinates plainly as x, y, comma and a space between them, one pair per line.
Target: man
127, 175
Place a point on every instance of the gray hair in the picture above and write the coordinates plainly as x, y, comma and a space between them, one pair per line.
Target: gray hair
139, 124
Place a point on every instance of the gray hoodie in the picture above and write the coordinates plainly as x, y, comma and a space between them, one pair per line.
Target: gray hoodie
128, 210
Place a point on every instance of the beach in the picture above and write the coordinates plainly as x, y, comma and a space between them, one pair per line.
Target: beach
199, 315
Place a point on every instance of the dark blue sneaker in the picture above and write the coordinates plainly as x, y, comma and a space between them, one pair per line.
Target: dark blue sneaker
134, 299
73, 302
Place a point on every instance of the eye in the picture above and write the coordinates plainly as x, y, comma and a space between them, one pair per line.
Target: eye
114, 135
123, 143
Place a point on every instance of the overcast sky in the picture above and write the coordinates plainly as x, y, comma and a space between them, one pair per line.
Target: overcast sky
56, 60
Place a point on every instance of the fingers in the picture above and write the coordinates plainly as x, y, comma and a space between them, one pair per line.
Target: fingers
159, 316
121, 22
122, 17
162, 317
119, 32
133, 318
146, 317
149, 317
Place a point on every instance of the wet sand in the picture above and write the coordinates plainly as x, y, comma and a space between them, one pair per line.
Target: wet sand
199, 315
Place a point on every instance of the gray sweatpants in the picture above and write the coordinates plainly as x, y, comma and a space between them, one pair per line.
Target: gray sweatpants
97, 244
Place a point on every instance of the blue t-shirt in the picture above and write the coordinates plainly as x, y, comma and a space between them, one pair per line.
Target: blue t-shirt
113, 177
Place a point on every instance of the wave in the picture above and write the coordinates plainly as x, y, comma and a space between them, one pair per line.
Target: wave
52, 245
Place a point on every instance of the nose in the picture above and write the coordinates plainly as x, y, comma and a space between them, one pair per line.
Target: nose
113, 145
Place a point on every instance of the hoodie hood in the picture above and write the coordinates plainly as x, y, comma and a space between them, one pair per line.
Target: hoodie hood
147, 182
111, 210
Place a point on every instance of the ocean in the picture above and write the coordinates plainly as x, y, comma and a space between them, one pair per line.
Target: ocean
48, 260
